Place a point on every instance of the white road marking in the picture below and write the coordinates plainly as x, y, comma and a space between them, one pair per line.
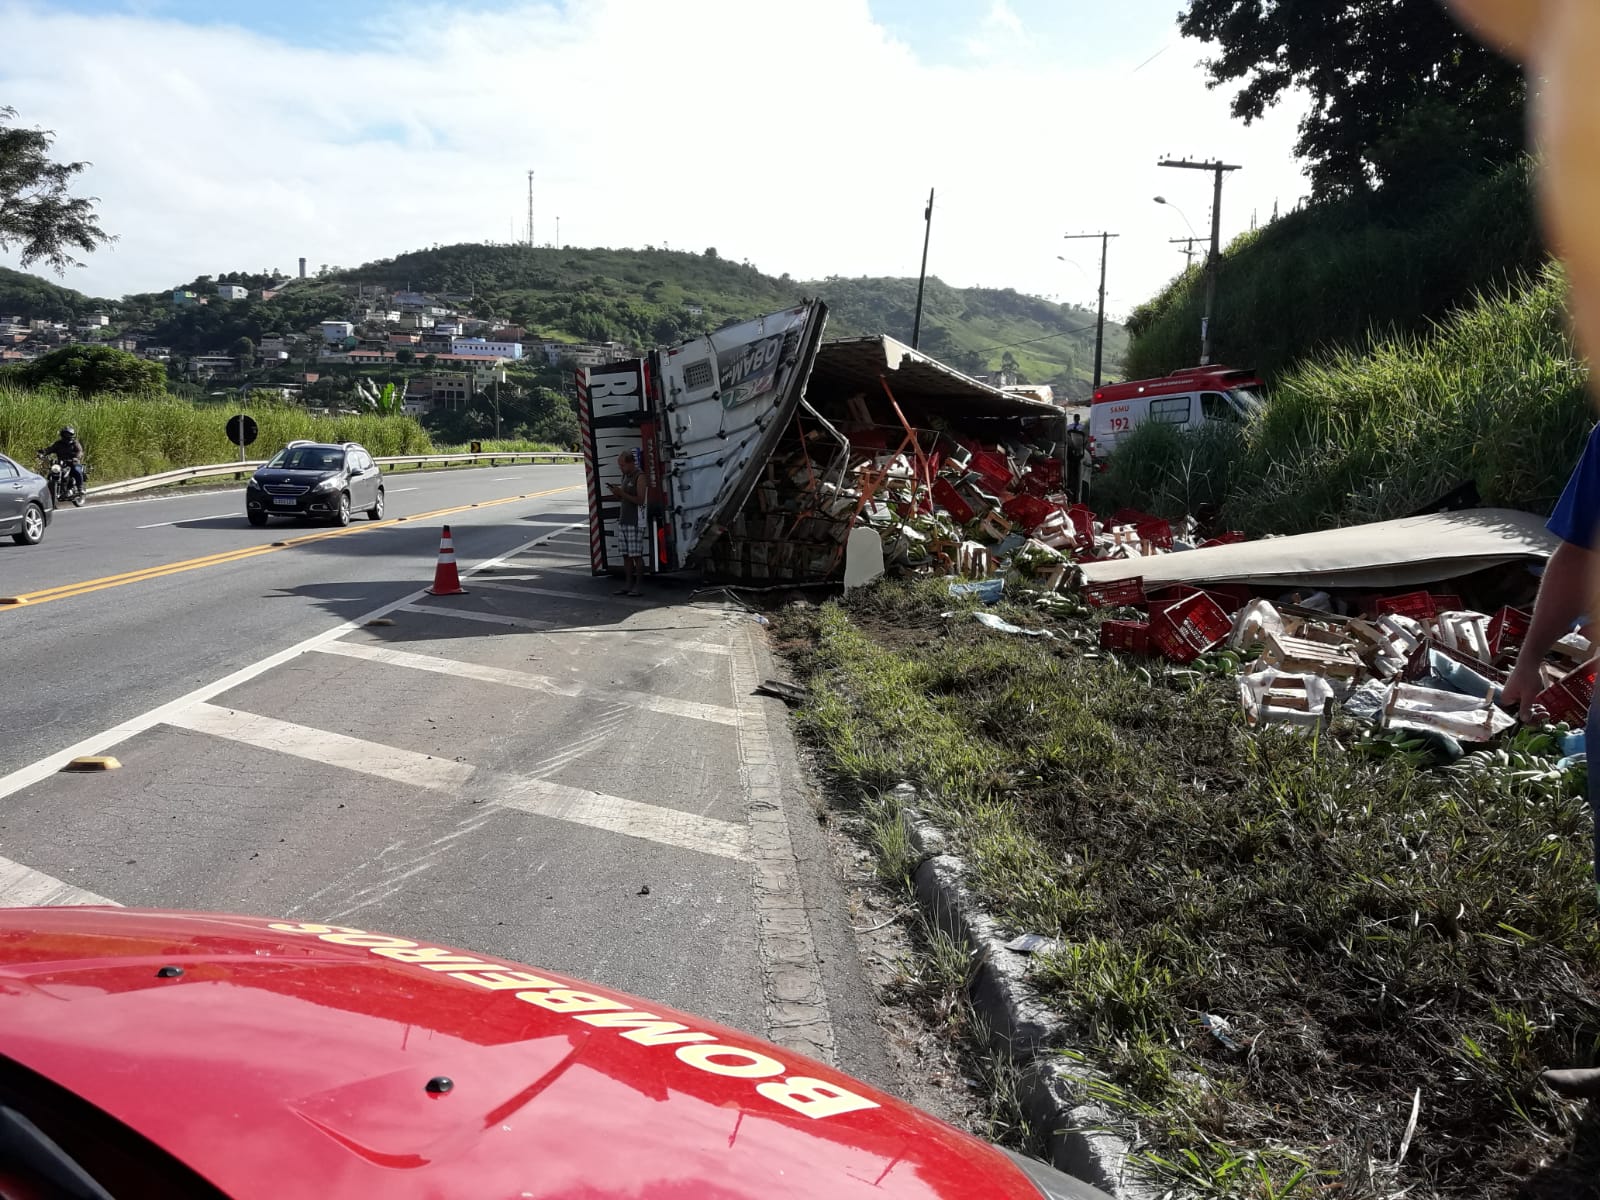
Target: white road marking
23, 887
213, 517
693, 709
467, 614
397, 491
633, 818
320, 746
100, 742
511, 585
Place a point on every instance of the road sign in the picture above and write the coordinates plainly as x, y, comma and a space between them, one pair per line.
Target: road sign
241, 432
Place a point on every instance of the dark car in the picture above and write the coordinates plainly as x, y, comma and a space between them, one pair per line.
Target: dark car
25, 503
322, 480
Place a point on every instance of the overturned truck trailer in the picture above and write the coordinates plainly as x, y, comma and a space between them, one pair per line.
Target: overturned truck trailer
763, 446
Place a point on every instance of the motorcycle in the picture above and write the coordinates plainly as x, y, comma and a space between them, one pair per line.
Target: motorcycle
65, 487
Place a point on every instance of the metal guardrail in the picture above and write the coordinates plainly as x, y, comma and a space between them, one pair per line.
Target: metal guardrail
240, 469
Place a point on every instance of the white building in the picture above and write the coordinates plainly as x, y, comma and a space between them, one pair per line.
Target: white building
231, 291
337, 331
480, 346
416, 320
447, 328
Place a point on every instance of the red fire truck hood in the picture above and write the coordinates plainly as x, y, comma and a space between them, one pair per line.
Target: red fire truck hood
294, 1059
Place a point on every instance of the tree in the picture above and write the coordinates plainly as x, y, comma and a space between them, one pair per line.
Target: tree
405, 356
36, 213
711, 251
428, 360
245, 351
1366, 64
89, 370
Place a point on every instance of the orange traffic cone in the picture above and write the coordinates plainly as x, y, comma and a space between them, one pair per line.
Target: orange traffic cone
446, 582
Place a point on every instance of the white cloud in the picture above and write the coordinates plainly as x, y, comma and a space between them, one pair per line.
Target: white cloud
806, 143
999, 32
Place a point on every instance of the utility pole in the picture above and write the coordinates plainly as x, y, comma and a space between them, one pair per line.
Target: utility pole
530, 210
1188, 249
1100, 321
558, 233
922, 279
1218, 169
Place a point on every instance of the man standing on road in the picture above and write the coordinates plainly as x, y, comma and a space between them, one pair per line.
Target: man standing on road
1557, 41
1077, 456
630, 523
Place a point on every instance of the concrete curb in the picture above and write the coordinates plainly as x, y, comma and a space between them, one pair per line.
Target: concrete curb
1053, 1091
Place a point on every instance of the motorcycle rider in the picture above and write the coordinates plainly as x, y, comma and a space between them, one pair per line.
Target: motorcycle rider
69, 450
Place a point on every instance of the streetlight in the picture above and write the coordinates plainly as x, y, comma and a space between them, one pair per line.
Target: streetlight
1179, 211
1218, 169
1188, 242
1100, 320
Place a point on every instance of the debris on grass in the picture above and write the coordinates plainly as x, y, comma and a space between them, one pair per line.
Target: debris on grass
1362, 918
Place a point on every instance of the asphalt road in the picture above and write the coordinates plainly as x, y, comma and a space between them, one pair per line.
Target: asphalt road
537, 770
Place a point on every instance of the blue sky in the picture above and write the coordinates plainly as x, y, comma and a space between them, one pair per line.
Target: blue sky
229, 135
936, 29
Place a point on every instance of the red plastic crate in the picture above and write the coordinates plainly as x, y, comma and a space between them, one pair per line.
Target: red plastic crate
1446, 602
993, 467
1028, 512
947, 498
1231, 538
1042, 477
1131, 516
1082, 518
1115, 594
1419, 606
1507, 628
1187, 629
1155, 532
1230, 597
1569, 700
1132, 637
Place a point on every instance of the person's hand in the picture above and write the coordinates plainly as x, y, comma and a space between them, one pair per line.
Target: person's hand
1522, 687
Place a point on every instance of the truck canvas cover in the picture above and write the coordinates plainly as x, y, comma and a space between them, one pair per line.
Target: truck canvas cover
1408, 552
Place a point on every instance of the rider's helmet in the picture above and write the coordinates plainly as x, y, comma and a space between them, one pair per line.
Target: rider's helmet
69, 432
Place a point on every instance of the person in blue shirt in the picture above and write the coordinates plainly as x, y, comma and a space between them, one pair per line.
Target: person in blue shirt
1566, 595
1558, 41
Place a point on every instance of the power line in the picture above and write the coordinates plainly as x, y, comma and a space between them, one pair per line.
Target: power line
1031, 341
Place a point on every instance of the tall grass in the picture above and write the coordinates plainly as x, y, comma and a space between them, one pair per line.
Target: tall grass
1336, 274
127, 437
1495, 396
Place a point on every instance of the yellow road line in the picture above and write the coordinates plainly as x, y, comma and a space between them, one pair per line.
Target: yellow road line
84, 587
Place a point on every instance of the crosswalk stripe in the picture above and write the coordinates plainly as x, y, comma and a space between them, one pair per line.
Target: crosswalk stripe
541, 797
23, 887
669, 705
319, 745
467, 614
669, 826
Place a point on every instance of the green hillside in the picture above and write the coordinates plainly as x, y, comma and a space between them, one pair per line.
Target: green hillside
648, 297
30, 296
645, 297
1338, 274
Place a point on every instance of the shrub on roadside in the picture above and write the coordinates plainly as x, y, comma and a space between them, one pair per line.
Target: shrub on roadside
127, 437
1495, 396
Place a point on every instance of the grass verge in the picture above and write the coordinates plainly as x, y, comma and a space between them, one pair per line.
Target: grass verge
1373, 934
